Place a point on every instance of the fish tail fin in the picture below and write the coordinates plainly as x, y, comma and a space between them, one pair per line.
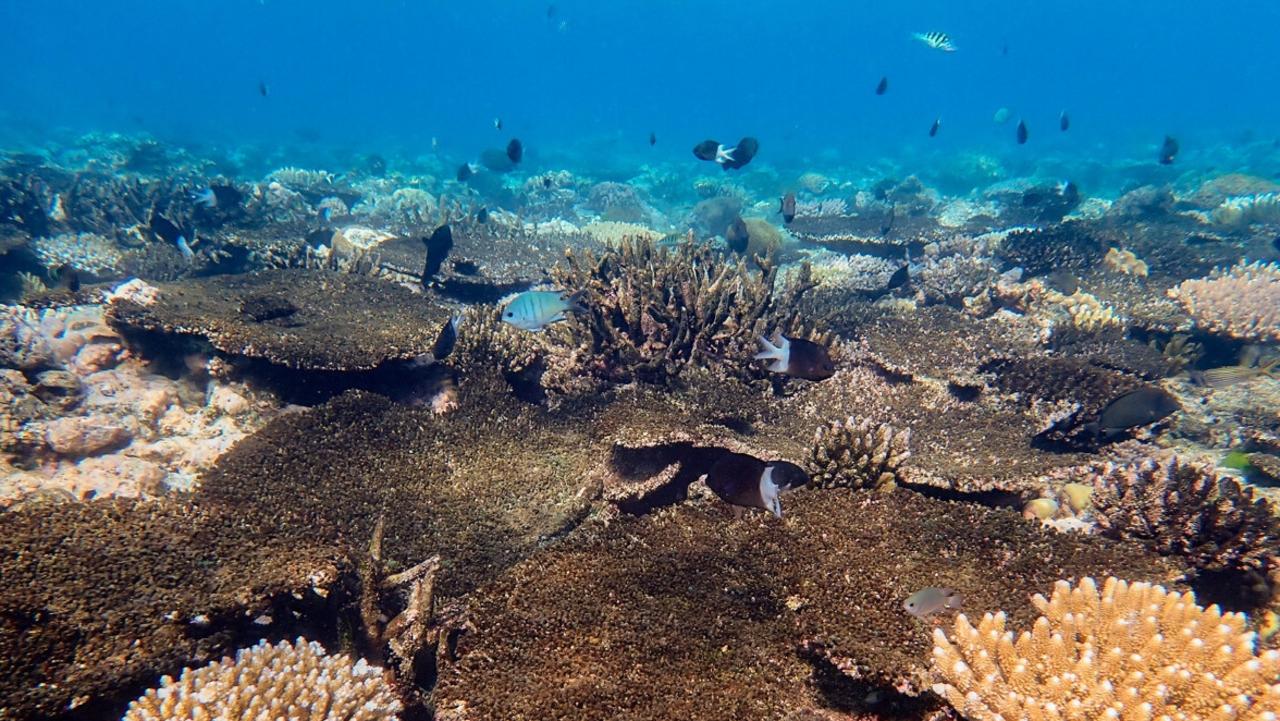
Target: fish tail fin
775, 353
577, 302
1271, 368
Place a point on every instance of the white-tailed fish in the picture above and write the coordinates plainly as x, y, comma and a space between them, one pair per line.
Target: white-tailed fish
936, 40
536, 309
928, 601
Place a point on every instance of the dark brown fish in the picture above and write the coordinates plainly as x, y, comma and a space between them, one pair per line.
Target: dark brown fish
653, 139
1168, 151
883, 86
706, 150
515, 150
737, 236
749, 482
1064, 121
899, 277
439, 243
933, 130
742, 153
887, 224
1140, 407
797, 357
788, 208
465, 172
68, 277
447, 339
1021, 134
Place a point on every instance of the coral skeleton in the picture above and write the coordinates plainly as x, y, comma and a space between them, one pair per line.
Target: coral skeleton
1243, 302
1127, 652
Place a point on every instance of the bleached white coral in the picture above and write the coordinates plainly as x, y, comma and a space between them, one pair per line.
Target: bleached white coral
405, 208
1242, 302
1239, 211
87, 252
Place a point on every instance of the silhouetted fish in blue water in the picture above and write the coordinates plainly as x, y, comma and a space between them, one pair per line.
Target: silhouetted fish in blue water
482, 215
263, 90
497, 123
1168, 151
1021, 133
653, 139
1064, 121
515, 150
439, 243
883, 86
796, 357
748, 482
465, 171
933, 129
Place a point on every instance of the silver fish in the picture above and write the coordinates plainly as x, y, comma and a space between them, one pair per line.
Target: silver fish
928, 601
536, 309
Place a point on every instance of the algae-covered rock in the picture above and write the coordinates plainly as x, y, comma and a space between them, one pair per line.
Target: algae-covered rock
691, 614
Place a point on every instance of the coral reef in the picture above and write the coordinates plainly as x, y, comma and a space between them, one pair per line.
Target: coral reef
1243, 302
263, 683
1124, 261
86, 252
858, 453
1067, 247
1131, 650
1239, 211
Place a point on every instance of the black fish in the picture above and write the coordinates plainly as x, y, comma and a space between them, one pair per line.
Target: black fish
226, 196
68, 277
706, 150
737, 236
933, 130
438, 247
1140, 407
1169, 150
742, 153
887, 225
796, 357
653, 139
262, 88
899, 277
788, 208
482, 216
1022, 132
551, 12
1064, 121
749, 482
515, 150
546, 181
465, 172
447, 339
164, 229
882, 86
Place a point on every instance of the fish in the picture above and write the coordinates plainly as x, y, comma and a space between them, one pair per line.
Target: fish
439, 243
883, 86
936, 40
796, 357
899, 277
551, 12
218, 196
263, 90
887, 225
1225, 376
546, 181
748, 482
185, 248
515, 150
928, 601
536, 309
326, 214
496, 160
1139, 407
788, 208
1001, 115
1168, 151
737, 236
164, 229
68, 277
708, 150
465, 171
1021, 133
482, 215
741, 154
497, 123
1064, 121
933, 130
653, 139
447, 338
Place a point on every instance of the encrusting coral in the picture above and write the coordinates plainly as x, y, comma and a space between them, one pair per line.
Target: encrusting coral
1243, 302
1185, 509
1132, 651
858, 453
296, 681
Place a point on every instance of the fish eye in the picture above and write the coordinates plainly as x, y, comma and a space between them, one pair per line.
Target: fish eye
508, 314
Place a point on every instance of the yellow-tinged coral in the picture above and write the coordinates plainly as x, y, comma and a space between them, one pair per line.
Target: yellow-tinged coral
1132, 651
1243, 302
1124, 261
295, 681
1239, 211
613, 231
1086, 311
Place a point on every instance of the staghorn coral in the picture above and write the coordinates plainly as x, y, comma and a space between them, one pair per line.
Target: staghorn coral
405, 210
1131, 651
264, 682
654, 310
1066, 246
954, 279
1243, 302
858, 453
1185, 509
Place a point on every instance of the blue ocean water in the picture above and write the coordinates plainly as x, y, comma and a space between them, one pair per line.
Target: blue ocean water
583, 83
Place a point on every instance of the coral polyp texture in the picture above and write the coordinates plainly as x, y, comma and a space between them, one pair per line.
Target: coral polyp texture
1127, 652
296, 681
1185, 509
1242, 302
858, 453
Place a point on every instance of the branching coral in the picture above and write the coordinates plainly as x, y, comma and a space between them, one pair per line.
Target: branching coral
1243, 302
87, 252
1133, 651
264, 682
1239, 211
858, 453
654, 310
1124, 261
1185, 509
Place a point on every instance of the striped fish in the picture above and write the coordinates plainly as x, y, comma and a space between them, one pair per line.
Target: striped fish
1226, 376
536, 309
936, 40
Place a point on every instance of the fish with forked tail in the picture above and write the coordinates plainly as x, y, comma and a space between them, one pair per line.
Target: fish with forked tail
748, 482
1168, 150
1139, 407
439, 243
536, 309
796, 357
928, 601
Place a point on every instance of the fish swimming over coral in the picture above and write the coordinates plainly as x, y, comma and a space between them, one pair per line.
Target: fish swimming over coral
936, 40
536, 309
1225, 376
1168, 150
515, 150
1140, 407
748, 482
443, 347
465, 171
883, 86
928, 601
728, 158
797, 357
788, 208
218, 196
933, 129
438, 244
737, 236
1021, 134
1064, 121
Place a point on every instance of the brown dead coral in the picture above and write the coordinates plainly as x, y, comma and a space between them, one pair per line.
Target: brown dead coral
1184, 509
655, 310
858, 453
